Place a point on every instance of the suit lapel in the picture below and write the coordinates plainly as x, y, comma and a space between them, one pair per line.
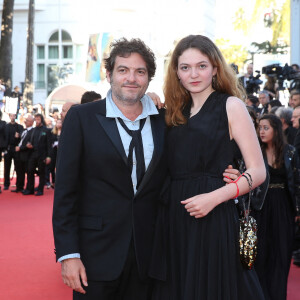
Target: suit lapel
157, 127
110, 127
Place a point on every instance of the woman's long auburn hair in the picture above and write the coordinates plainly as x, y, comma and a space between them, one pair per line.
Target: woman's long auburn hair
176, 96
278, 139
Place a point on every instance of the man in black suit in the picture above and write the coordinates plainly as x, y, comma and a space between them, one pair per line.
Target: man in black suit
23, 151
13, 132
244, 79
40, 143
2, 138
110, 168
264, 100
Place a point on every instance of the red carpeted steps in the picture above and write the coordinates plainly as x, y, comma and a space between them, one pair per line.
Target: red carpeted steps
27, 263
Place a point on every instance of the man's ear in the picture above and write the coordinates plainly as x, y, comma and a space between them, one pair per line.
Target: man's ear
108, 76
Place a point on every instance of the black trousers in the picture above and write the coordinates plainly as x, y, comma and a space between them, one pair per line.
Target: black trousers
36, 162
128, 286
21, 171
8, 157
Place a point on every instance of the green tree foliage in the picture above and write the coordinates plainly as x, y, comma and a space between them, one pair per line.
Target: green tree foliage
275, 14
236, 54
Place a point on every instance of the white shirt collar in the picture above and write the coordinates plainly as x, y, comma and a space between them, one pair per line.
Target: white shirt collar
112, 111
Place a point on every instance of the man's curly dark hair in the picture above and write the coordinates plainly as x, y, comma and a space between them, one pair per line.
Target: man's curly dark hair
124, 48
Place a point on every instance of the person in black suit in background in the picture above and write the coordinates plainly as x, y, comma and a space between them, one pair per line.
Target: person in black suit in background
40, 143
23, 153
106, 192
2, 138
13, 132
244, 79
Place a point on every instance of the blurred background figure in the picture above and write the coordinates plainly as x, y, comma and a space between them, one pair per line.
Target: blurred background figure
273, 105
270, 87
294, 98
40, 156
65, 109
23, 153
2, 138
2, 91
264, 99
245, 78
90, 96
252, 101
285, 116
17, 94
13, 132
276, 220
50, 169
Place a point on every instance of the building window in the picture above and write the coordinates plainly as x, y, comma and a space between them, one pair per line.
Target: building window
53, 52
54, 37
40, 83
67, 51
65, 36
40, 52
57, 60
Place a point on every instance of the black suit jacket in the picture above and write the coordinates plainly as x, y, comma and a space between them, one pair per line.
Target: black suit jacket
25, 152
41, 141
95, 210
10, 139
2, 135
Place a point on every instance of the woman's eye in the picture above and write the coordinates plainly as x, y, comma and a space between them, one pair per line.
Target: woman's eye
202, 66
184, 68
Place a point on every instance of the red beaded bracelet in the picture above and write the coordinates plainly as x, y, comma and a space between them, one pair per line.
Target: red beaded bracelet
237, 187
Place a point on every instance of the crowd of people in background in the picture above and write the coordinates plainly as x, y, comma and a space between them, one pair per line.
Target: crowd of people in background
279, 134
29, 140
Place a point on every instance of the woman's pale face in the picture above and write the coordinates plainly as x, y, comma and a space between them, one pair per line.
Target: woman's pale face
58, 124
266, 132
195, 71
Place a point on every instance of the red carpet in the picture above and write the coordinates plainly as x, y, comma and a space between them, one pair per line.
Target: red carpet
28, 270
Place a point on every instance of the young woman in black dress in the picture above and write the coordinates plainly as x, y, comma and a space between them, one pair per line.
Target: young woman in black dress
205, 118
276, 220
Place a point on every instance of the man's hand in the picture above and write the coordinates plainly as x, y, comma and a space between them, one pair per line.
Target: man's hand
17, 149
72, 270
48, 160
29, 145
233, 174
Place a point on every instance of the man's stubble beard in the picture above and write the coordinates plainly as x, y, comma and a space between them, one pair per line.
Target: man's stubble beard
126, 100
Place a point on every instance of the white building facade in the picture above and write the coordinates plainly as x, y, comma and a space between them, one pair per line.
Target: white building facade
63, 27
295, 32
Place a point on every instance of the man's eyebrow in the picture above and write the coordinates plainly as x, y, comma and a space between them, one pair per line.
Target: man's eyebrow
121, 66
126, 67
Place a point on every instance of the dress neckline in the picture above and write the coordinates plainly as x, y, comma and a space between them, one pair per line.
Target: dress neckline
202, 107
